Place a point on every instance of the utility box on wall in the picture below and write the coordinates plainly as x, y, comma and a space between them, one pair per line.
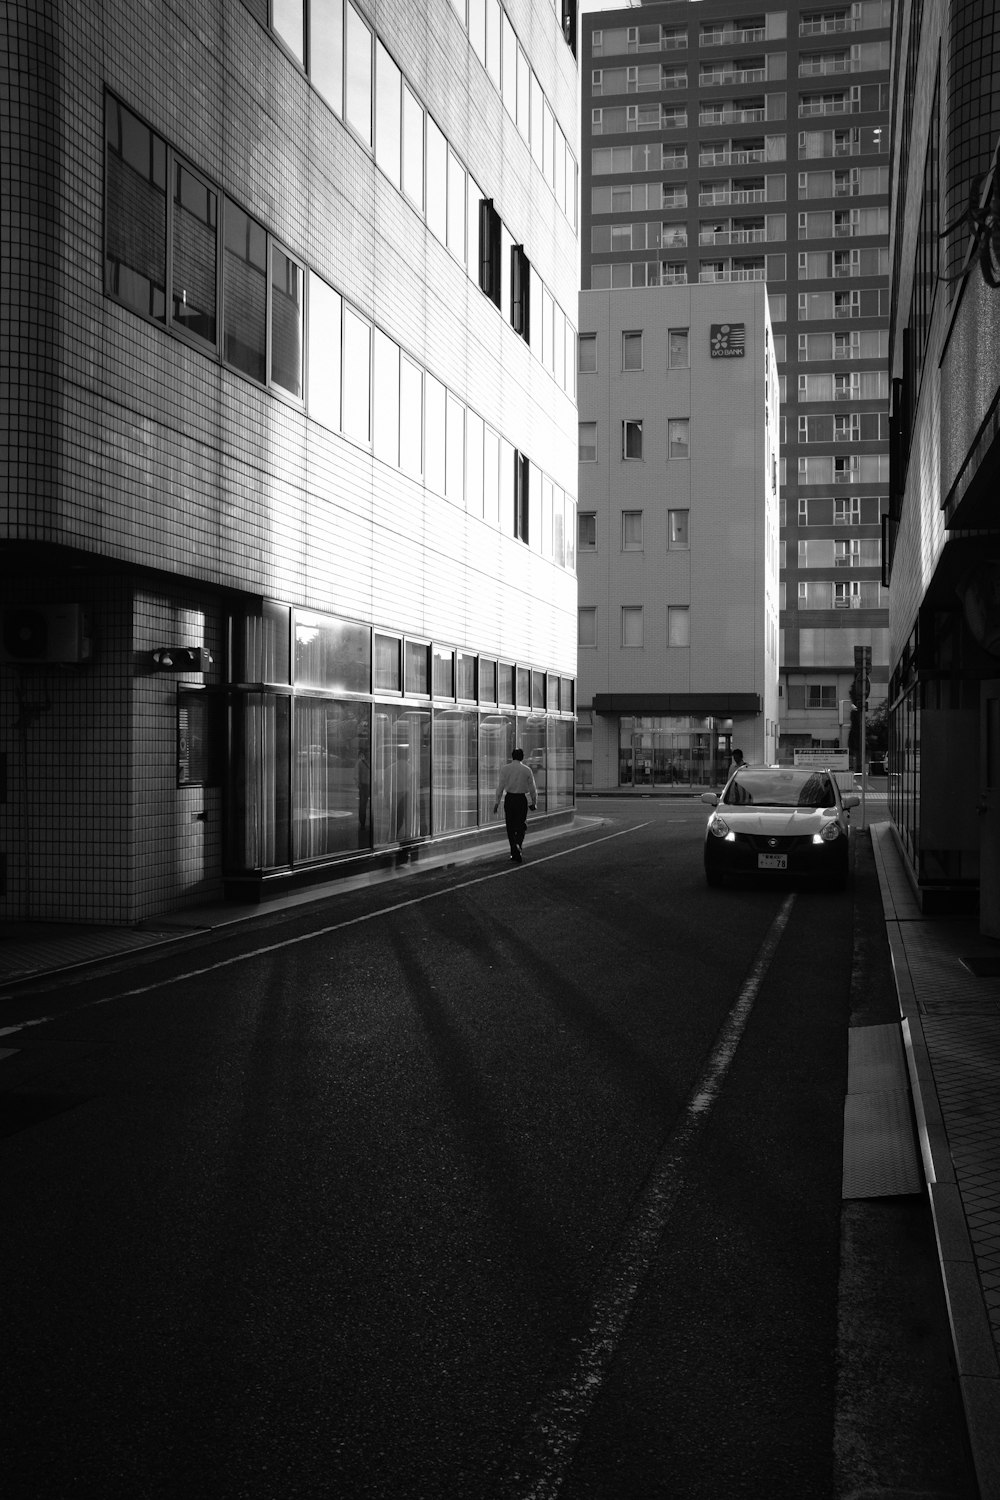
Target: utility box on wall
40, 634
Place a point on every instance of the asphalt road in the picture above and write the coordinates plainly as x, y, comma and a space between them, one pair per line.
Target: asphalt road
491, 1183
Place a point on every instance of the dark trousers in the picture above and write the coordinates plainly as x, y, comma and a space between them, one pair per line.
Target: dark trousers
515, 815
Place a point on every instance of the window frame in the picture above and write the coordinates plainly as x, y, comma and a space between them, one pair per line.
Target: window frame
631, 425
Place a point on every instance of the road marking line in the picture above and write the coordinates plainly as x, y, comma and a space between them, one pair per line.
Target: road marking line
308, 937
560, 1414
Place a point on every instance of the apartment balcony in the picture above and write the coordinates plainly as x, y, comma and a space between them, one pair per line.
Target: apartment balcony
731, 116
722, 196
825, 68
726, 37
732, 237
732, 75
729, 158
826, 27
810, 108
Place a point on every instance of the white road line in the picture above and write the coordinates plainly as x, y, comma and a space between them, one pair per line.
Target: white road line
560, 1414
309, 937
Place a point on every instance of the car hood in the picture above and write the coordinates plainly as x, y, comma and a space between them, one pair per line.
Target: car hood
777, 822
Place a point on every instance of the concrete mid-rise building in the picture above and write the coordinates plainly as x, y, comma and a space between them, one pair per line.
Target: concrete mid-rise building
287, 540
734, 141
678, 535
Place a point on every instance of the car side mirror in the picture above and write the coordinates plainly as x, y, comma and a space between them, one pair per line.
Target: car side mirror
711, 798
851, 801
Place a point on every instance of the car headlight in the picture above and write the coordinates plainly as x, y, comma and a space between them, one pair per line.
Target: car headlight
721, 829
828, 833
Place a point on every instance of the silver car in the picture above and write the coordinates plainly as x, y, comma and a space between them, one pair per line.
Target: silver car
772, 821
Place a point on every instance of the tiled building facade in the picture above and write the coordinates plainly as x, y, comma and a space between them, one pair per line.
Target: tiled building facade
942, 533
289, 386
733, 142
678, 539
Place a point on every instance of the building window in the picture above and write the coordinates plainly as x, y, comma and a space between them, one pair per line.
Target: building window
678, 625
287, 282
194, 242
677, 438
357, 377
358, 73
135, 213
631, 351
821, 695
489, 250
586, 353
520, 292
631, 624
678, 354
631, 439
586, 634
521, 506
588, 442
631, 530
244, 331
586, 530
677, 530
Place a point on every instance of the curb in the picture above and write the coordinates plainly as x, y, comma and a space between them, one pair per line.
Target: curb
971, 1335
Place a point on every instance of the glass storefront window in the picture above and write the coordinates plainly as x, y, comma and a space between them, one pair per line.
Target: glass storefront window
261, 642
496, 741
559, 755
455, 769
531, 738
332, 654
401, 765
331, 778
259, 791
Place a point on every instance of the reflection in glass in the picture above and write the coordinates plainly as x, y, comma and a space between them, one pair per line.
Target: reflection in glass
385, 399
387, 114
496, 741
324, 352
258, 813
357, 377
286, 322
413, 148
358, 102
333, 654
455, 761
411, 416
401, 774
326, 50
288, 21
437, 181
244, 330
332, 778
196, 217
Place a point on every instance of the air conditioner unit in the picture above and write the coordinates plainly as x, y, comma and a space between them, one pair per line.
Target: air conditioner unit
33, 634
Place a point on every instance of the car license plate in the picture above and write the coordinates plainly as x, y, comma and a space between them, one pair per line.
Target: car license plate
772, 861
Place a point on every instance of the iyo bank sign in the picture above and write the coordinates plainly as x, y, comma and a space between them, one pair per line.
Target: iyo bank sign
728, 340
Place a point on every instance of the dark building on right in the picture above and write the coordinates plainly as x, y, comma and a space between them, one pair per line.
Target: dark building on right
941, 544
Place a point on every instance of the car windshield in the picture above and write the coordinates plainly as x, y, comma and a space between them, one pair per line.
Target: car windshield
780, 788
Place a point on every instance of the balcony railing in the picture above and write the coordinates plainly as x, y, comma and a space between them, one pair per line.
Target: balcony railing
729, 158
730, 116
812, 107
732, 75
824, 67
826, 26
726, 37
731, 195
732, 236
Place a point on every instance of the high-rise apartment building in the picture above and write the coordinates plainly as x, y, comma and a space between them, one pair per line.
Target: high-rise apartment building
726, 142
286, 547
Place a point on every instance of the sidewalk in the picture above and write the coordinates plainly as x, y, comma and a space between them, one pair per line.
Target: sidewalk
948, 987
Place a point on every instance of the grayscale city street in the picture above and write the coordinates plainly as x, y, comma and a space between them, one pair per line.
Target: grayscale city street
485, 1181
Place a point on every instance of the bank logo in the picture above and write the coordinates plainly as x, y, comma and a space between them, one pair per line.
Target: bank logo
729, 340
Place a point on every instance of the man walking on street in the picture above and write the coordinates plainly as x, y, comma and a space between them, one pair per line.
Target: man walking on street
517, 788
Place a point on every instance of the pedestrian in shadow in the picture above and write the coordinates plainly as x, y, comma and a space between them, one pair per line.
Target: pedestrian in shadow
516, 787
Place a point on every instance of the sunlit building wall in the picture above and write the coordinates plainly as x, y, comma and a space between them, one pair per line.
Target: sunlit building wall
942, 552
678, 518
288, 547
